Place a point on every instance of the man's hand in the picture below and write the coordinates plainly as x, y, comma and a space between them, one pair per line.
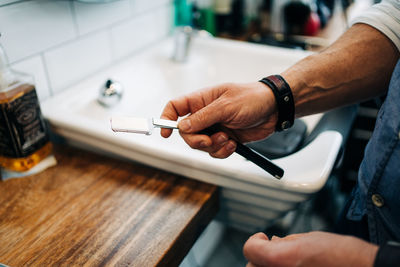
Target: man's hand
309, 249
246, 112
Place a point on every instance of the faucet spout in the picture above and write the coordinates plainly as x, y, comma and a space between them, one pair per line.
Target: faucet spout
183, 36
183, 39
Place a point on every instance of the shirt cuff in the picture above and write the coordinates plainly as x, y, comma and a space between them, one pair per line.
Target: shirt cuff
385, 17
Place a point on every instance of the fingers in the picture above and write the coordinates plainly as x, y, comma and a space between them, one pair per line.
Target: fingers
203, 118
170, 112
260, 235
251, 247
218, 145
256, 250
259, 250
274, 238
294, 236
275, 252
225, 151
309, 249
197, 141
165, 132
200, 103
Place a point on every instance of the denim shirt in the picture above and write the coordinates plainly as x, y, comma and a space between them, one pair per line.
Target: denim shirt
377, 194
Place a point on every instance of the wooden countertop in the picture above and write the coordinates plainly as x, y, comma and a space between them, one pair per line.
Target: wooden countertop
93, 210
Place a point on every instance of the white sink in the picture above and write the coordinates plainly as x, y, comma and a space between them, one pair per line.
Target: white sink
251, 198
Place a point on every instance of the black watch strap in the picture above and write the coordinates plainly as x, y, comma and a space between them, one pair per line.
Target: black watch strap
388, 255
284, 100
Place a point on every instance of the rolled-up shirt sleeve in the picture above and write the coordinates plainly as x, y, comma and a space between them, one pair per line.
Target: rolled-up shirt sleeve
384, 17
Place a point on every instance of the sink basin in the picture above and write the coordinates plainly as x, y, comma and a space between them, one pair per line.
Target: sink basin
250, 198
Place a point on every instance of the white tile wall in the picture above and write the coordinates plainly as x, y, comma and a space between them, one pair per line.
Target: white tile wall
61, 42
33, 26
164, 20
35, 67
130, 36
140, 6
74, 61
90, 17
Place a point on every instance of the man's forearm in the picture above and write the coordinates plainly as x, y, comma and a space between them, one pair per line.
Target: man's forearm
356, 67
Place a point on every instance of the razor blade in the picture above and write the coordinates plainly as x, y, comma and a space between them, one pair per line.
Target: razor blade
140, 125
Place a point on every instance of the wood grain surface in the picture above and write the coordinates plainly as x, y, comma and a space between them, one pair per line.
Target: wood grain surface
91, 210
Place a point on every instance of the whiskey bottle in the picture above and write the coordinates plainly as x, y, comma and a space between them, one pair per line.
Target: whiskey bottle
24, 137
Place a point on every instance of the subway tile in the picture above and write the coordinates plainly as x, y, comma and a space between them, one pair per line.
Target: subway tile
140, 31
93, 16
33, 26
34, 66
164, 19
140, 6
74, 61
133, 35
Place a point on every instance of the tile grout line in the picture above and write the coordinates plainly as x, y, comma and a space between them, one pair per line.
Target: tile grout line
92, 33
106, 30
47, 74
87, 35
74, 19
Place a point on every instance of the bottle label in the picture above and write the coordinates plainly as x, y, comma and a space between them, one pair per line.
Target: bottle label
22, 127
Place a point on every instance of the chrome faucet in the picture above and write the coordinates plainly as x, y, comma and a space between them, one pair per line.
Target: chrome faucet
110, 93
182, 40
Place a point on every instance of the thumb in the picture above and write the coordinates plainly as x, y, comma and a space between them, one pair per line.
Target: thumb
274, 252
203, 118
